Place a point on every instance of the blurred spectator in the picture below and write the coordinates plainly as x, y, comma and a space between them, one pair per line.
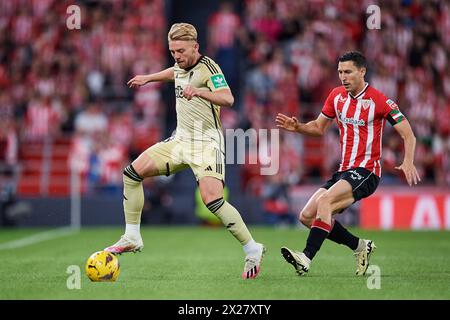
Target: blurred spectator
8, 142
223, 28
42, 118
111, 159
92, 120
392, 157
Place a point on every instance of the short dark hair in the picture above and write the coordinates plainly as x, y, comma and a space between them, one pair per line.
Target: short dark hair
357, 57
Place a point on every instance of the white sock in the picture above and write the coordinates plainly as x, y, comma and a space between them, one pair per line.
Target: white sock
251, 247
361, 246
133, 230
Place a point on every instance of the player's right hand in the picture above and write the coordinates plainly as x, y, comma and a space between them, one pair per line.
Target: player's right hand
287, 123
410, 171
138, 81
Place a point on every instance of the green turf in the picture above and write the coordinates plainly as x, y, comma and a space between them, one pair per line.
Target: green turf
197, 263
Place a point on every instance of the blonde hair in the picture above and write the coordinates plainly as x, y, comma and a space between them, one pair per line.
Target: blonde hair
182, 31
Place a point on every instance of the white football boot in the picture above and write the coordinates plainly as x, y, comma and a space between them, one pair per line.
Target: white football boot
298, 259
252, 265
363, 256
126, 244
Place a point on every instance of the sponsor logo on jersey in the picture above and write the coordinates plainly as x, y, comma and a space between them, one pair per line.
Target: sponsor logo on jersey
179, 92
392, 104
355, 122
218, 81
355, 175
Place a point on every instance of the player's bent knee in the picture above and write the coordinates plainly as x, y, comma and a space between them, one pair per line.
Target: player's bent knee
132, 174
208, 196
306, 220
307, 216
210, 190
145, 166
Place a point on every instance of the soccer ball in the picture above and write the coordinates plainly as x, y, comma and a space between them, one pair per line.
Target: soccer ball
103, 266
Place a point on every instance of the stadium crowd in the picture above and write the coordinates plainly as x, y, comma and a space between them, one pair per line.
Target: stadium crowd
57, 82
292, 49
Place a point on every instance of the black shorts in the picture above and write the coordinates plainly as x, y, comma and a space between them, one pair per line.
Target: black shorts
363, 182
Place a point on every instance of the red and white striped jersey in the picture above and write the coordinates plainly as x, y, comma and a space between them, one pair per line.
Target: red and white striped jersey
361, 120
41, 119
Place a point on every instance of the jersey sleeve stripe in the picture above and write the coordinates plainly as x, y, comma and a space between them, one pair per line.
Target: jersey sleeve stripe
328, 117
211, 63
210, 66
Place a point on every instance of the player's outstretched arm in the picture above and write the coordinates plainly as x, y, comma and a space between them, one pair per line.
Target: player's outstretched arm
315, 128
140, 80
223, 97
404, 130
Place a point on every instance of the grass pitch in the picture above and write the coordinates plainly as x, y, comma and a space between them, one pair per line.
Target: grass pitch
190, 263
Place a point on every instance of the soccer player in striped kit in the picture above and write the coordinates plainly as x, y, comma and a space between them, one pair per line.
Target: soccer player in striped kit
361, 112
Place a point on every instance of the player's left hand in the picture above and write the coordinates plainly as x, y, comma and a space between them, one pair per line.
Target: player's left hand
189, 92
410, 172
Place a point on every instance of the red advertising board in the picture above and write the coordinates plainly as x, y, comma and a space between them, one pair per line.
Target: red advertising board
410, 209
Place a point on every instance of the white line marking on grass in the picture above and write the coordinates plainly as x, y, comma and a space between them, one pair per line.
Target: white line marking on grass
39, 237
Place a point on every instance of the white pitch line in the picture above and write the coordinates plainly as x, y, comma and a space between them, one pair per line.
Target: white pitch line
39, 237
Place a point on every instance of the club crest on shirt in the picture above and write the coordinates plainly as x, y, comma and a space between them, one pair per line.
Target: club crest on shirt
365, 103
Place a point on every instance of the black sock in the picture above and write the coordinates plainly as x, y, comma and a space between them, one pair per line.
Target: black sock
341, 235
317, 235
